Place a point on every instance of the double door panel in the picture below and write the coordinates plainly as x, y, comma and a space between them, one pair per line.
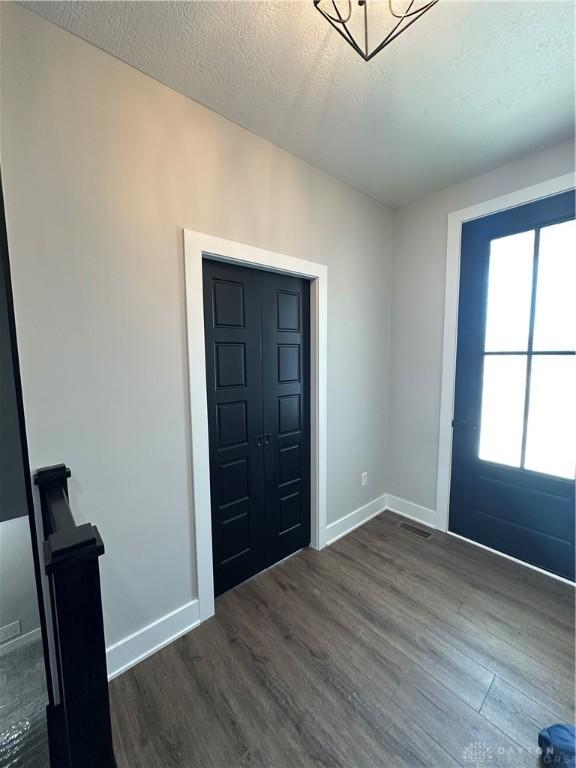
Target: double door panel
257, 369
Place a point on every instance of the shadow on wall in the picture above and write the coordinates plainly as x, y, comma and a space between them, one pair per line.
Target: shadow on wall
18, 605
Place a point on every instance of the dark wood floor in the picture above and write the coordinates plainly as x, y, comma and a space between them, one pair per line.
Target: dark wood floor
382, 650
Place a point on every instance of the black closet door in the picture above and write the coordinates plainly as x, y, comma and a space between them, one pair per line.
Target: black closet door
232, 322
258, 382
286, 376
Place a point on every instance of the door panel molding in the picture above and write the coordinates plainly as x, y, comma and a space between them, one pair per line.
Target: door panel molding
198, 245
494, 497
268, 367
455, 221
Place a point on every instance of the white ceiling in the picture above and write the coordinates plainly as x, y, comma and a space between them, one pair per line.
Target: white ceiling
469, 86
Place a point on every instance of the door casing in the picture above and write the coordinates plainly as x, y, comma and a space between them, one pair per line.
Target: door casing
197, 246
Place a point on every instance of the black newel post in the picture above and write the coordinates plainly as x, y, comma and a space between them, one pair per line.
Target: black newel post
79, 727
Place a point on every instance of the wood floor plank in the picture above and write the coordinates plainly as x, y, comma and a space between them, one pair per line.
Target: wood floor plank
495, 572
383, 651
471, 639
309, 710
410, 586
543, 612
360, 696
524, 628
418, 642
489, 574
520, 716
461, 727
422, 699
368, 676
171, 712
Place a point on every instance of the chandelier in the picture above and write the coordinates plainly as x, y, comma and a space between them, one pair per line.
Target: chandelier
369, 29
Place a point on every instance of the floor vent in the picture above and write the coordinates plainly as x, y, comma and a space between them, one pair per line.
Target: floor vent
422, 533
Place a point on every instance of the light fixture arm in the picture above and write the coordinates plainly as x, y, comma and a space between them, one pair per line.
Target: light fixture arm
401, 21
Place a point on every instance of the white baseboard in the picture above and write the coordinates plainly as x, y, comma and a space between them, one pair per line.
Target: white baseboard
18, 642
136, 647
146, 641
341, 527
359, 516
415, 512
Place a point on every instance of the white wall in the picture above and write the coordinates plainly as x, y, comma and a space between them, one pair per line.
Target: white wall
418, 314
102, 168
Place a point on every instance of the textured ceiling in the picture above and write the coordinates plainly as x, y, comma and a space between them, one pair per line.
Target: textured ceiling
469, 86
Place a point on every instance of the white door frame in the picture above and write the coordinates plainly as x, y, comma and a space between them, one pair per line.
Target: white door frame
197, 246
455, 221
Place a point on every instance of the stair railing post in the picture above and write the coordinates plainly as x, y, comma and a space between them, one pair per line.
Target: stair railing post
82, 728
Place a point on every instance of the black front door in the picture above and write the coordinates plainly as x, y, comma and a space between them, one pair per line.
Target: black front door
514, 429
257, 374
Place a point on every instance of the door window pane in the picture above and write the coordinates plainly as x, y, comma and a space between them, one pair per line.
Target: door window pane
555, 321
509, 293
502, 421
551, 435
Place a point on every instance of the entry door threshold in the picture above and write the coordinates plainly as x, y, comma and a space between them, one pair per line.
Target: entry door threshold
514, 559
